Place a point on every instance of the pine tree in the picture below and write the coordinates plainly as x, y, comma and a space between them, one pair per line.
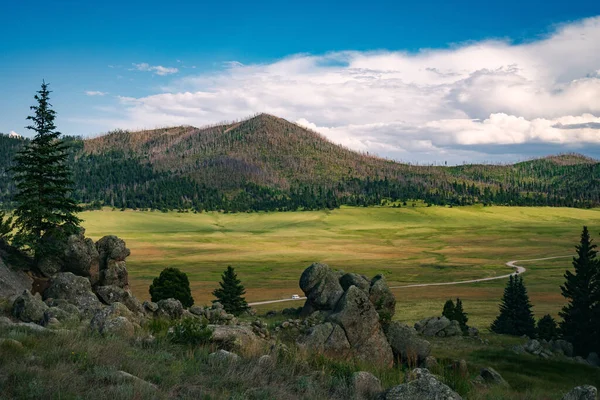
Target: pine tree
580, 316
461, 316
449, 310
172, 283
547, 328
516, 317
230, 293
43, 181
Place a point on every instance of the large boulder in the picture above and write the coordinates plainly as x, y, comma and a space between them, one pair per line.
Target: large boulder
405, 343
422, 386
365, 384
491, 377
360, 281
112, 253
586, 392
234, 337
81, 257
438, 326
76, 290
29, 308
169, 308
360, 321
327, 339
12, 282
322, 287
382, 298
114, 320
114, 294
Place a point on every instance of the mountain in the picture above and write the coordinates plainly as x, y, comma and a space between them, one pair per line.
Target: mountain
268, 163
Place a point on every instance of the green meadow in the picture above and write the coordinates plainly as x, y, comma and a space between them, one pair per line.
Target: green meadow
408, 245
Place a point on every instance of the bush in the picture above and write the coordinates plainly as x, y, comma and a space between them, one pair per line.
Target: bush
547, 328
190, 331
172, 283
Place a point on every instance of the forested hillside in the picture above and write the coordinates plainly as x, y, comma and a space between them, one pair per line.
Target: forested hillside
267, 163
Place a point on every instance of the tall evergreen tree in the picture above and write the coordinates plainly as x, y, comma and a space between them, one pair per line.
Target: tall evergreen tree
546, 328
43, 181
579, 325
230, 293
516, 317
461, 316
448, 311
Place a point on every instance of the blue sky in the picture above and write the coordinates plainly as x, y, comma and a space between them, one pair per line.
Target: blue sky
374, 76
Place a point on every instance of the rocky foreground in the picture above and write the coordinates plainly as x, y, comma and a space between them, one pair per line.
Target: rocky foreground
347, 317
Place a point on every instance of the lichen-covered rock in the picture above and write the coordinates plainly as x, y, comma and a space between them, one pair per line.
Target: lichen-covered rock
61, 315
29, 308
357, 280
169, 308
438, 326
74, 289
405, 343
365, 384
12, 282
585, 392
234, 337
150, 306
223, 356
359, 320
491, 377
562, 347
114, 320
111, 248
327, 339
113, 294
321, 286
382, 298
81, 257
115, 274
423, 386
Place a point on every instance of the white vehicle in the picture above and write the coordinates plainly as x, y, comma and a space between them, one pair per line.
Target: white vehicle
295, 297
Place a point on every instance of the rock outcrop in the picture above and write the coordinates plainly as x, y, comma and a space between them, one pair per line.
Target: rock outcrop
13, 282
113, 294
586, 392
406, 345
322, 288
365, 384
75, 290
81, 257
112, 253
29, 308
422, 385
114, 320
234, 337
438, 326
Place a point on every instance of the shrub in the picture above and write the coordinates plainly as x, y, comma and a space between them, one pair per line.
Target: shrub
547, 328
190, 331
172, 283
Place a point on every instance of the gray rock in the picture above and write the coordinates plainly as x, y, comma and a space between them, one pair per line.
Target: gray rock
327, 339
365, 384
533, 347
593, 360
197, 310
580, 360
422, 386
473, 332
150, 306
61, 315
81, 257
382, 298
169, 308
114, 320
223, 356
132, 378
234, 337
451, 330
113, 294
586, 392
29, 308
562, 346
360, 321
430, 362
115, 274
357, 280
4, 321
12, 282
405, 343
111, 248
76, 290
321, 286
490, 376
432, 326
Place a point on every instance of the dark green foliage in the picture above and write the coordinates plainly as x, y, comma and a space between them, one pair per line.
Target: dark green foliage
449, 310
461, 316
43, 182
580, 316
547, 328
230, 293
172, 283
191, 332
516, 317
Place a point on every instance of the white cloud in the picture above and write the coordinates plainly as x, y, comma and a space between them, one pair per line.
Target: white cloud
467, 101
95, 93
157, 69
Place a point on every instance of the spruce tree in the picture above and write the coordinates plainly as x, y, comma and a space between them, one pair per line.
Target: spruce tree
516, 317
461, 316
448, 311
580, 317
547, 328
230, 293
43, 181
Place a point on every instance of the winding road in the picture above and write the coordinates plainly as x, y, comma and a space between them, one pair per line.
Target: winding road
512, 264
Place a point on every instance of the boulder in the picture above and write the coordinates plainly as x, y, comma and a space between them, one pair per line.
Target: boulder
111, 248
586, 392
114, 320
593, 360
114, 274
150, 306
422, 386
112, 294
60, 315
382, 298
563, 347
360, 321
81, 257
357, 280
533, 347
433, 326
365, 384
451, 330
473, 332
405, 343
29, 308
13, 282
223, 356
234, 337
328, 339
76, 290
490, 376
430, 363
321, 286
169, 308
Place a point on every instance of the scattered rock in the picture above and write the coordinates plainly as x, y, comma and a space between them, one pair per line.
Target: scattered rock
533, 347
223, 356
473, 332
127, 376
490, 376
366, 385
150, 306
586, 392
234, 337
593, 360
169, 308
562, 347
422, 386
29, 308
114, 320
76, 290
112, 294
438, 326
405, 343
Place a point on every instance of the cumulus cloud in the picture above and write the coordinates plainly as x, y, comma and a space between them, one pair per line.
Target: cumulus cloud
157, 69
95, 93
455, 104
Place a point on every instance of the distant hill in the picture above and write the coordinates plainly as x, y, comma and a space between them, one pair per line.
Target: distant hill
268, 163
